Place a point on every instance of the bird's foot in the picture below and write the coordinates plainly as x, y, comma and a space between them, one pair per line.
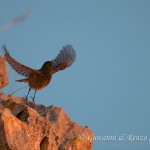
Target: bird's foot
26, 99
32, 99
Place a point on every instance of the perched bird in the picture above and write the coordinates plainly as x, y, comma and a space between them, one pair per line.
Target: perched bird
38, 79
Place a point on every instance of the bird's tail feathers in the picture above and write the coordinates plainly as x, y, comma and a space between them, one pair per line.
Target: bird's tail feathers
23, 80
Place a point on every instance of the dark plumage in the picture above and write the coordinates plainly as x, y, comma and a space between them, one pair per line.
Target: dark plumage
38, 79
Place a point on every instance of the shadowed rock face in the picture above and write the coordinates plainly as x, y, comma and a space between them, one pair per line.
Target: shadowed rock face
29, 126
3, 71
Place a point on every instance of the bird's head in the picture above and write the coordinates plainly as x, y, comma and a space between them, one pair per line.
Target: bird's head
46, 66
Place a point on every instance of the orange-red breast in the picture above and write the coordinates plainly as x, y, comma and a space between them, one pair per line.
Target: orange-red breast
38, 79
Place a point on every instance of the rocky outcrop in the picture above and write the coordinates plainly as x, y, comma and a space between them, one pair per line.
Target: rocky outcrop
3, 72
28, 126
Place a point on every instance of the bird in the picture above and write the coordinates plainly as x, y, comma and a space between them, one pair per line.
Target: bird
38, 79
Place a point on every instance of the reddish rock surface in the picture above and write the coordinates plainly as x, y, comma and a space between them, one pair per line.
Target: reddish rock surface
29, 126
3, 72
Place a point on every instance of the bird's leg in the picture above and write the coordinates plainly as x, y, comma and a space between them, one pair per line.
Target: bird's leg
28, 93
34, 96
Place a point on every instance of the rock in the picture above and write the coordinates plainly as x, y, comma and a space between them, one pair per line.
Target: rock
29, 126
3, 72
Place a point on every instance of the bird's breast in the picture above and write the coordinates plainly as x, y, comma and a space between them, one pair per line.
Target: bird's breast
40, 82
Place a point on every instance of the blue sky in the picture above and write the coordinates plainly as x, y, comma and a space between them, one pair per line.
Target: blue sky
108, 86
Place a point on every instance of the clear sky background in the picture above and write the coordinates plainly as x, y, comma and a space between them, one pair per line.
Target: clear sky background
108, 86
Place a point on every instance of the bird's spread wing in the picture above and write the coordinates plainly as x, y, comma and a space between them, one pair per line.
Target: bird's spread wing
18, 67
64, 59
